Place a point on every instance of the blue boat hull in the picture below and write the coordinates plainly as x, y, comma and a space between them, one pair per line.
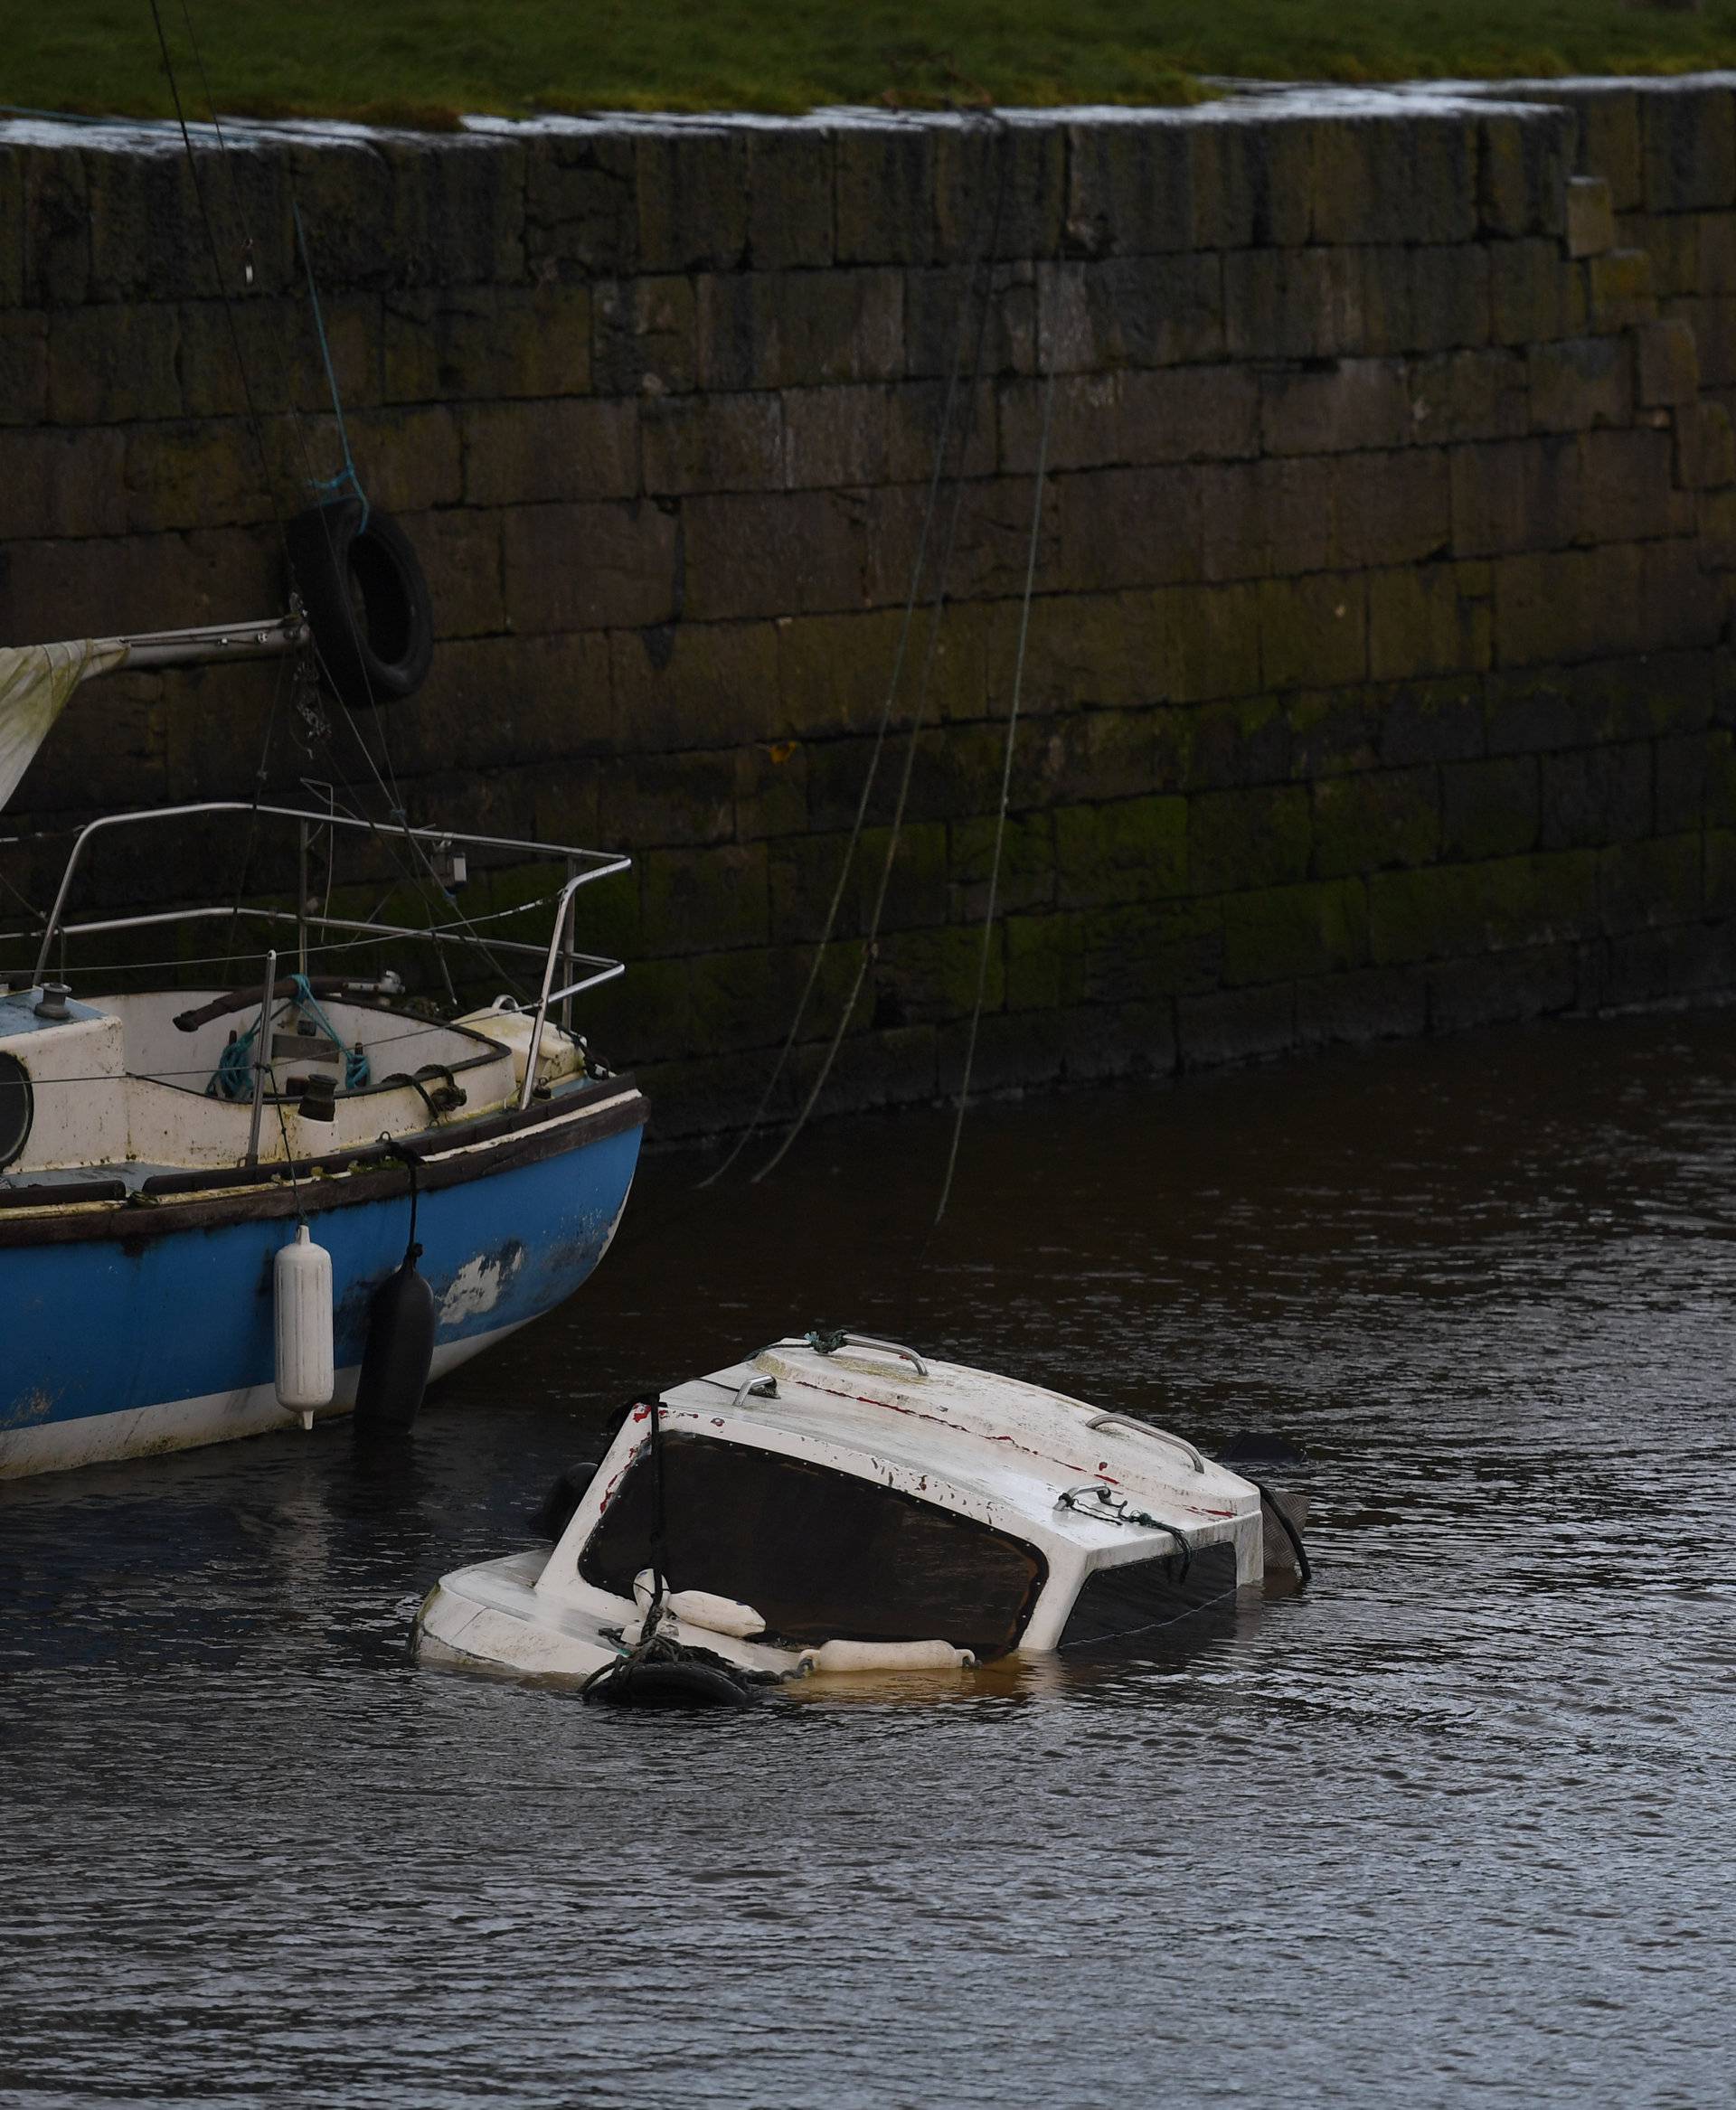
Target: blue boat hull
154, 1333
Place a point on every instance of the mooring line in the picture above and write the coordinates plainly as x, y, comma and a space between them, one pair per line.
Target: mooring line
1006, 788
979, 252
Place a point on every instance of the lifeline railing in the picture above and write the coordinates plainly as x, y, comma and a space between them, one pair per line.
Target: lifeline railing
583, 866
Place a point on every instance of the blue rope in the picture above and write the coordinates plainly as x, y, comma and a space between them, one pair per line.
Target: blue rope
347, 474
233, 1077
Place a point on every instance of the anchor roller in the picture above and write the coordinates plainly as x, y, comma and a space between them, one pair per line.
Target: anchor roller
307, 1372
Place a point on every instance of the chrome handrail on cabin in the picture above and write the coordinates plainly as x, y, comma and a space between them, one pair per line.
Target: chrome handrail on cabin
829, 1344
1150, 1428
598, 864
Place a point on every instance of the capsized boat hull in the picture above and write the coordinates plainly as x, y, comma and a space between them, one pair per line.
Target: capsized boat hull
137, 1327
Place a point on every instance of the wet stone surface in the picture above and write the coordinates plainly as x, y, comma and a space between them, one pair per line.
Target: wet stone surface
1452, 1826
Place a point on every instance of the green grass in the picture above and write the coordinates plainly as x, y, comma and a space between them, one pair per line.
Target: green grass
424, 61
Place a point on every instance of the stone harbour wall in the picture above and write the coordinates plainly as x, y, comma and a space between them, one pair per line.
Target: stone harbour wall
1379, 676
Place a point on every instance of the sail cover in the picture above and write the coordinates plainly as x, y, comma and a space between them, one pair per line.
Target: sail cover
35, 680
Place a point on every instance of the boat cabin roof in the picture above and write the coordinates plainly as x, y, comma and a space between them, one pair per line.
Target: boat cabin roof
1005, 1449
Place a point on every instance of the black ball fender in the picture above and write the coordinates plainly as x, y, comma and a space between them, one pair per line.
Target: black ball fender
365, 599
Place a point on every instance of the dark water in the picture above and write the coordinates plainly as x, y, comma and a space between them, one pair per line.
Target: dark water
1455, 1825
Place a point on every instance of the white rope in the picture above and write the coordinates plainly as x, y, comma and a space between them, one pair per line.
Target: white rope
1006, 788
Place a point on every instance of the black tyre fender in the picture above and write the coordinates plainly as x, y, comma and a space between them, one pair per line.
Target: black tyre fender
367, 601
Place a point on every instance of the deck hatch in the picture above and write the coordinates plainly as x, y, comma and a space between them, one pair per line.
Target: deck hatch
820, 1554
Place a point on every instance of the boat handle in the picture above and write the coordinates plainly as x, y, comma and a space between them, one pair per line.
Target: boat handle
1163, 1436
755, 1388
830, 1344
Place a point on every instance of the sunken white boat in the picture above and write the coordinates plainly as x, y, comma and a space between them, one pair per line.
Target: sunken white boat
837, 1501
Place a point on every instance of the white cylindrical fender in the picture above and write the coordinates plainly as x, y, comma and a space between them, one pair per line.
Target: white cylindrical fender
307, 1372
885, 1655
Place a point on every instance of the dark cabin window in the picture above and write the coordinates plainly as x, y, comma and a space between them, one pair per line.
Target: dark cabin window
819, 1555
1118, 1602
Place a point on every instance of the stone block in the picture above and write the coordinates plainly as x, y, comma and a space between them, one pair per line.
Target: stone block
885, 433
1193, 644
410, 457
487, 341
1574, 604
1000, 192
699, 901
1688, 139
1609, 141
798, 552
693, 686
1618, 291
74, 483
1596, 795
791, 196
1130, 311
109, 364
1430, 722
1265, 517
646, 800
457, 210
1590, 217
1521, 172
147, 242
1535, 982
1695, 780
1237, 840
1681, 604
692, 190
581, 205
280, 364
833, 673
1713, 324
808, 876
1368, 1004
1027, 878
1471, 395
1704, 450
1240, 741
1395, 179
1493, 906
1714, 257
1293, 304
1282, 932
1580, 383
1426, 299
1669, 364
200, 473
532, 451
1392, 508
1137, 185
540, 703
1374, 819
12, 226
1351, 403
1429, 619
106, 587
646, 337
1672, 242
712, 443
1313, 631
885, 187
990, 545
1235, 1025
56, 213
1118, 527
1642, 885
1535, 297
926, 976
1099, 420
1627, 489
940, 319
794, 329
1521, 495
1491, 808
1332, 731
590, 567
1129, 850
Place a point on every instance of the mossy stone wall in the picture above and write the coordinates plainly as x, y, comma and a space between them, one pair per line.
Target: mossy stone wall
1378, 678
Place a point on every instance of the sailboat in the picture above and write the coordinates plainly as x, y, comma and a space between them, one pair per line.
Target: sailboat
214, 1200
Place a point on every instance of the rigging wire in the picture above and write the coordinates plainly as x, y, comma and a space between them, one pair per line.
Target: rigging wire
871, 944
1006, 788
976, 254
